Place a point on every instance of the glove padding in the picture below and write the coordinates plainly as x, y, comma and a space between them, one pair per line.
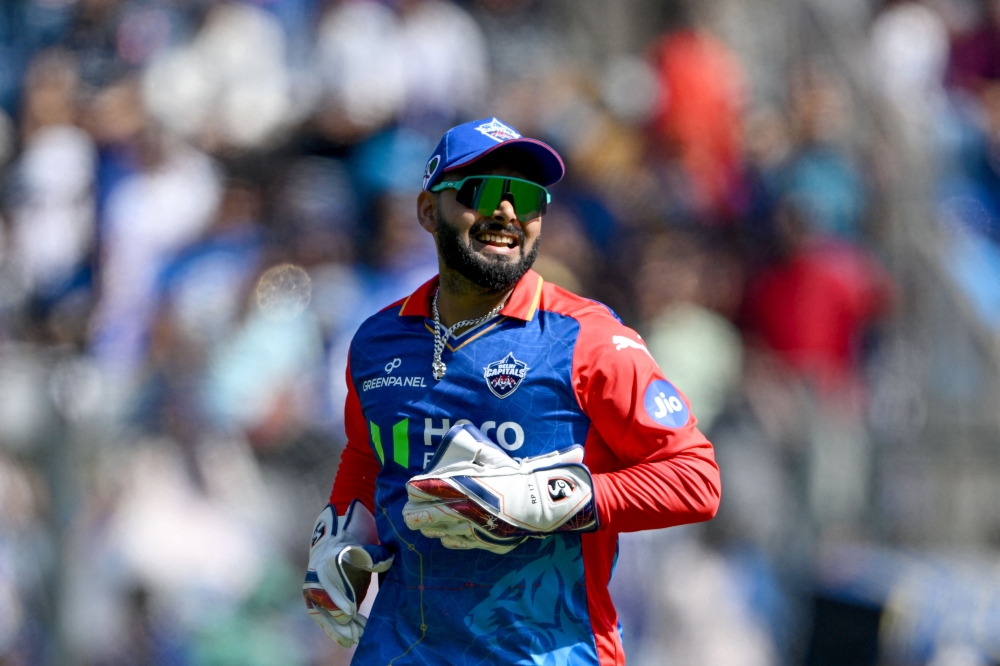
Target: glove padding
477, 496
342, 558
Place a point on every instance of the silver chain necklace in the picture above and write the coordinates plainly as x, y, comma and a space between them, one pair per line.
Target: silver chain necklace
438, 367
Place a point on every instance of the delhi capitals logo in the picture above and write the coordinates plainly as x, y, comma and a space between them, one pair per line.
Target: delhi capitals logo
497, 131
504, 376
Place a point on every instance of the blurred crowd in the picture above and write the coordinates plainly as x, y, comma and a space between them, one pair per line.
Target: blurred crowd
201, 200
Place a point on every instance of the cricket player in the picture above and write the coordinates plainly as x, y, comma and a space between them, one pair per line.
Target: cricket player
501, 433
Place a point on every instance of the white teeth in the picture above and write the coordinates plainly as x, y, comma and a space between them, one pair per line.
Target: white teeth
493, 238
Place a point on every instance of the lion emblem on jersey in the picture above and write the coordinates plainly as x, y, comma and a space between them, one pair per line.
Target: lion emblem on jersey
504, 376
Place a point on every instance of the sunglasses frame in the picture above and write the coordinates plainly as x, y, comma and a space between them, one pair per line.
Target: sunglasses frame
457, 185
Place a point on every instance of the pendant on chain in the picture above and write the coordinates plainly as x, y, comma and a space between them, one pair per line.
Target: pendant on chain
438, 368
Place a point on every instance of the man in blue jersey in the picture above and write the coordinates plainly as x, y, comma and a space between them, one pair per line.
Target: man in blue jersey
501, 433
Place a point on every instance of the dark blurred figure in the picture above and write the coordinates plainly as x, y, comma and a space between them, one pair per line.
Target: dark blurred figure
975, 52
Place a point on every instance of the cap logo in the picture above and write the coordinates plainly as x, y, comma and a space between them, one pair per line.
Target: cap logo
432, 165
497, 131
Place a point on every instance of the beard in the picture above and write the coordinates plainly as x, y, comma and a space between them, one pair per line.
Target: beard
492, 272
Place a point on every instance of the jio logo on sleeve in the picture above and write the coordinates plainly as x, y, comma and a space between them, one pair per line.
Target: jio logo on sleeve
664, 405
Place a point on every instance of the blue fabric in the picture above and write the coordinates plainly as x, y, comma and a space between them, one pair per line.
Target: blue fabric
441, 606
468, 142
830, 189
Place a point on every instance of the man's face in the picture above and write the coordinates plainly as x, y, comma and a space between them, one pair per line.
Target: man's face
492, 252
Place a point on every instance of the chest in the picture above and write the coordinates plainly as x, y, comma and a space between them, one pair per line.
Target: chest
511, 379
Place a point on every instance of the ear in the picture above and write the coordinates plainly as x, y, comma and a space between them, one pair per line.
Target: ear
427, 211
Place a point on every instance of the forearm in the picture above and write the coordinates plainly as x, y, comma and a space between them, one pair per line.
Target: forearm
355, 477
682, 489
358, 464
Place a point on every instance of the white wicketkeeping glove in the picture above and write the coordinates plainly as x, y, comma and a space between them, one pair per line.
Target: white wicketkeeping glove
343, 556
477, 496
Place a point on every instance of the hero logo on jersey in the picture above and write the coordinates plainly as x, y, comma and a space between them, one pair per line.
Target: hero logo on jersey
497, 131
504, 376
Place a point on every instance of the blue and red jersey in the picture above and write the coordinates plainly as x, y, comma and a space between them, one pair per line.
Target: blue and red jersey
551, 371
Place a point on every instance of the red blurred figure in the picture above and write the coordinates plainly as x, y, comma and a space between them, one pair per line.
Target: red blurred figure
813, 306
698, 115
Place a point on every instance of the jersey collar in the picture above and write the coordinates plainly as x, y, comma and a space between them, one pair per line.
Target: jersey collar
522, 304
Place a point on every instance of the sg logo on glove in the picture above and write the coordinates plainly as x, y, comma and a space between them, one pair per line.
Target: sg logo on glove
477, 496
318, 532
560, 489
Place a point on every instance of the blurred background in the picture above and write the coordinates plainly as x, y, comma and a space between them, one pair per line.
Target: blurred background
795, 202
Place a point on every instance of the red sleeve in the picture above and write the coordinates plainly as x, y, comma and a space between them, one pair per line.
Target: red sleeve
652, 466
358, 464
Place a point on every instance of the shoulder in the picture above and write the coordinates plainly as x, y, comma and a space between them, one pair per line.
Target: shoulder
386, 320
601, 333
589, 313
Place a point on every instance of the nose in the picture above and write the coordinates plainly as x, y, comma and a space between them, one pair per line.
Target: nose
505, 212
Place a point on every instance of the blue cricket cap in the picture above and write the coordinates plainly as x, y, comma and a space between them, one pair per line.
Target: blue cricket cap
464, 144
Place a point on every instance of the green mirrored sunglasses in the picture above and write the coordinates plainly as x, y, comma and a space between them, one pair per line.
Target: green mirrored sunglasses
484, 194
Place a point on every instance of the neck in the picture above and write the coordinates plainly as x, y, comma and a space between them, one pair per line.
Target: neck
460, 299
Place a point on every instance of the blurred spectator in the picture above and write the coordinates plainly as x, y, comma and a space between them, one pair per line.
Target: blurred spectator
820, 174
422, 60
699, 114
230, 86
682, 287
206, 283
201, 201
712, 621
265, 380
975, 51
814, 305
52, 207
150, 215
909, 43
567, 257
24, 552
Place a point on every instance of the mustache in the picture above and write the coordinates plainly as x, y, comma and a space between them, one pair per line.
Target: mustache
493, 225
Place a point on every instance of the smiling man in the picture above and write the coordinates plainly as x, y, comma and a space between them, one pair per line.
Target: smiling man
501, 433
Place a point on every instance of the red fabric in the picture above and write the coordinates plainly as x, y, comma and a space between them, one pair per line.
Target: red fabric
358, 464
812, 309
522, 304
699, 112
599, 558
646, 475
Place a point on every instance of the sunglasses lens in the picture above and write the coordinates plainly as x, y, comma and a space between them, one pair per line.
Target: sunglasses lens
469, 194
529, 199
485, 194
